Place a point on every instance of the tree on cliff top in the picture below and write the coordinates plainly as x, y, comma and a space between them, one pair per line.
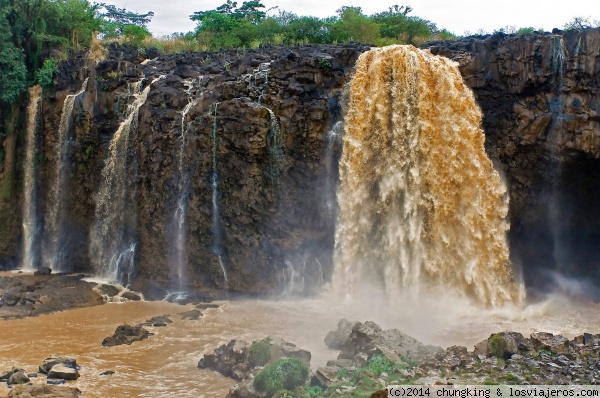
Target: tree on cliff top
118, 21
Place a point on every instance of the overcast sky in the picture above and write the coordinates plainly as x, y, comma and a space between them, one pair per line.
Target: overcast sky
458, 16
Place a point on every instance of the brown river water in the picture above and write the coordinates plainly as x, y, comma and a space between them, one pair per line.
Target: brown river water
165, 365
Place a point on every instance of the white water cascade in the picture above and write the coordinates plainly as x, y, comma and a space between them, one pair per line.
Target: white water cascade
29, 260
112, 238
53, 230
178, 252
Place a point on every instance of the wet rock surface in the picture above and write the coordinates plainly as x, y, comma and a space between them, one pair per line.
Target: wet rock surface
126, 334
239, 360
503, 358
26, 295
56, 368
44, 391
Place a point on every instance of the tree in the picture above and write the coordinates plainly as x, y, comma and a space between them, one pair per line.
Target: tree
116, 20
396, 24
250, 10
13, 72
353, 25
581, 23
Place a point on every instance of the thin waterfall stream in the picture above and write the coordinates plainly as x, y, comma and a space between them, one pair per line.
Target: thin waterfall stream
31, 225
53, 227
178, 255
113, 242
217, 246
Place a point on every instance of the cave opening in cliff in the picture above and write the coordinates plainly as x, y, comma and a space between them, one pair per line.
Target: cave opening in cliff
562, 252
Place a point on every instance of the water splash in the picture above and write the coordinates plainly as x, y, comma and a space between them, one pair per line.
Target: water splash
217, 246
53, 228
29, 260
112, 238
178, 257
421, 206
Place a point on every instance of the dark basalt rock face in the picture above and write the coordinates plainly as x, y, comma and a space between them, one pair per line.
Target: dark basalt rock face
276, 164
541, 113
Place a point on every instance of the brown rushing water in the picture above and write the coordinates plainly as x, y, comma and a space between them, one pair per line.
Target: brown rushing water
166, 364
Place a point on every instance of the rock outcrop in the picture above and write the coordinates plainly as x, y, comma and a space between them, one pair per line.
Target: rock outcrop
238, 359
126, 334
25, 295
44, 391
367, 339
275, 163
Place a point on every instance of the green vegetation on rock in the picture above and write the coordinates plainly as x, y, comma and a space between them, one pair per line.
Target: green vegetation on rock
284, 374
259, 353
497, 345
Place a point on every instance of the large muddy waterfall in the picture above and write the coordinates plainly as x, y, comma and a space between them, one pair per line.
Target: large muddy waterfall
420, 203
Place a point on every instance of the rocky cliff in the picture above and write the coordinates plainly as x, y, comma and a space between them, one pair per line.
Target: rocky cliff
540, 99
259, 158
247, 141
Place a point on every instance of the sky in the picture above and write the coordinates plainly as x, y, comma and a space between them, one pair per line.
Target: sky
462, 17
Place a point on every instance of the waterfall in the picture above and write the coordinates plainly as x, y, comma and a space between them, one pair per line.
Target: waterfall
30, 219
555, 140
421, 206
178, 250
53, 231
216, 223
333, 137
112, 238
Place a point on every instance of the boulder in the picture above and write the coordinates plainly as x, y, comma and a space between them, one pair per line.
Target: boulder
192, 315
284, 349
244, 389
109, 290
547, 341
126, 334
336, 339
157, 321
369, 339
18, 378
132, 296
43, 271
324, 377
60, 371
52, 361
233, 359
508, 343
35, 391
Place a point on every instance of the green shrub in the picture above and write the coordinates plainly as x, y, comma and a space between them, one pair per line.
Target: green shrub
284, 374
313, 391
497, 345
259, 353
379, 364
45, 75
